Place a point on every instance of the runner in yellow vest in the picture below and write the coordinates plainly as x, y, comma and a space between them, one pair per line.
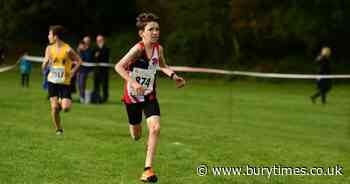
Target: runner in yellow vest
59, 56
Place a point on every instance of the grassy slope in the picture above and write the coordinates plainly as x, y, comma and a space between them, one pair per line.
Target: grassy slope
210, 121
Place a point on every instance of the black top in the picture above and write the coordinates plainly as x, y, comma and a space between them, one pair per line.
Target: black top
142, 62
325, 66
2, 54
89, 55
101, 55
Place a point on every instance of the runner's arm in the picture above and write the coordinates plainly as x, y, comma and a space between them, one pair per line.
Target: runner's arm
46, 59
75, 57
180, 82
122, 65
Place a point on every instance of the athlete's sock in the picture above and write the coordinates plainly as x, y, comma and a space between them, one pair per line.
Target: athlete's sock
146, 168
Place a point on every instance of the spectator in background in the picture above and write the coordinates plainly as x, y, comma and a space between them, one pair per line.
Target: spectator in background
83, 55
73, 88
25, 69
323, 85
101, 55
2, 54
81, 47
87, 56
46, 72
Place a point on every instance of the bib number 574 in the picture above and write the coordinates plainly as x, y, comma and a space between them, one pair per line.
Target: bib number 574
144, 81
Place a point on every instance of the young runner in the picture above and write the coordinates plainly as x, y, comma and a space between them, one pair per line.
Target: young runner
138, 68
59, 56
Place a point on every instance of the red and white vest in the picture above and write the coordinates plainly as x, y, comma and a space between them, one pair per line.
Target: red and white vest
143, 70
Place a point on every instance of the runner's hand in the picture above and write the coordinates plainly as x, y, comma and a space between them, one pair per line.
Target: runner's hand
180, 82
138, 88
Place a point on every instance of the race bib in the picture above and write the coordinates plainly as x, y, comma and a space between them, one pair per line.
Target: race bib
145, 78
57, 74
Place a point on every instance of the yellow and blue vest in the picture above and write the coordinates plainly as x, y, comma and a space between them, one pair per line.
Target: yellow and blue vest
61, 65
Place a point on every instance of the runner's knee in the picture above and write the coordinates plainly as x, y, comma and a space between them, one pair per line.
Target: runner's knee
66, 104
54, 108
66, 109
155, 129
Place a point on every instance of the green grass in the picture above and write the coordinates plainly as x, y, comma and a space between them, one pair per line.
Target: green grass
216, 122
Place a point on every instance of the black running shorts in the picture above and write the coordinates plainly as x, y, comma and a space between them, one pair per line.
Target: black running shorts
150, 108
59, 90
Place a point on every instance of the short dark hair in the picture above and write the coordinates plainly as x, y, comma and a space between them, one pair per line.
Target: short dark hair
57, 30
144, 18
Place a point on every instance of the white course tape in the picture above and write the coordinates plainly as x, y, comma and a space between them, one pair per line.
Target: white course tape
207, 70
41, 59
290, 76
34, 59
7, 68
256, 74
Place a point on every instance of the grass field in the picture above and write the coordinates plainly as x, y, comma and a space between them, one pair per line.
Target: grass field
215, 122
